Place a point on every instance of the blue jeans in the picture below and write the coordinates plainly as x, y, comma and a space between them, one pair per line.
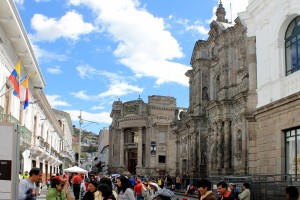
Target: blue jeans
139, 197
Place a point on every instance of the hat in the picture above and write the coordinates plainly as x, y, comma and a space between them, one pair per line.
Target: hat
164, 192
138, 181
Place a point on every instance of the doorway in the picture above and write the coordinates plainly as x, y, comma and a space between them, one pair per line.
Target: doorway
132, 160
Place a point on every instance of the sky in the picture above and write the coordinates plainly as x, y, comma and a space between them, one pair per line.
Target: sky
94, 52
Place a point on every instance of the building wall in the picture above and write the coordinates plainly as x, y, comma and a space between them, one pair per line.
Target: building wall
278, 94
149, 121
213, 135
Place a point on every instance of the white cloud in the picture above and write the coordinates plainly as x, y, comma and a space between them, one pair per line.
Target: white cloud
54, 70
102, 117
86, 71
81, 95
19, 2
54, 100
142, 39
118, 84
45, 56
97, 108
69, 26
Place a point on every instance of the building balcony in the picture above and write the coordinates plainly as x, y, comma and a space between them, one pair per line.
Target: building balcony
25, 133
25, 138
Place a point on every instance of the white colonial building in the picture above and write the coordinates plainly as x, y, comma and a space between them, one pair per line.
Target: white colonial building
276, 27
41, 134
103, 149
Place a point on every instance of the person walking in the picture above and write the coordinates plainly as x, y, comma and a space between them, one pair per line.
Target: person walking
124, 187
106, 192
92, 188
27, 187
224, 194
57, 190
245, 195
138, 190
76, 183
291, 193
204, 190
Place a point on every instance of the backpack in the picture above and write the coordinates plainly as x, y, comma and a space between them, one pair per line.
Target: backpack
145, 191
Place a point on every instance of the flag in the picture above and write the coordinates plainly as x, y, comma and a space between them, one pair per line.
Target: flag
14, 79
24, 91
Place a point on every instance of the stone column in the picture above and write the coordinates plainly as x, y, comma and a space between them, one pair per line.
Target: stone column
140, 147
252, 63
37, 162
177, 142
215, 144
220, 145
44, 172
227, 145
122, 148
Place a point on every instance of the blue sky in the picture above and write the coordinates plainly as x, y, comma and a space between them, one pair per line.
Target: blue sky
93, 52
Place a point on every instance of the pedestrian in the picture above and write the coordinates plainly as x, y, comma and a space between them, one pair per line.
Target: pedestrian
25, 175
204, 190
124, 188
138, 190
106, 192
92, 188
245, 195
178, 183
107, 181
291, 193
76, 182
27, 187
57, 190
234, 190
224, 194
48, 183
20, 175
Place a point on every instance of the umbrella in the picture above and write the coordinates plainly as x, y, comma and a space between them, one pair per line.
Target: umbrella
115, 175
76, 169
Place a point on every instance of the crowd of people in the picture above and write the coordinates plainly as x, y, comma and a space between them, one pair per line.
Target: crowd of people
119, 187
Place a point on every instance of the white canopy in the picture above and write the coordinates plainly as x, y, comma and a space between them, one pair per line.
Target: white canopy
76, 169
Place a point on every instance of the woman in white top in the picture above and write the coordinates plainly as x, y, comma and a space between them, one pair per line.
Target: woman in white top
124, 187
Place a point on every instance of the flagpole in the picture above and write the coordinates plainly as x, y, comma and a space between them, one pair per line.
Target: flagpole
3, 86
7, 91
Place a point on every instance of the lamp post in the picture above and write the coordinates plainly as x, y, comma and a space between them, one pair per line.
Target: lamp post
80, 130
79, 142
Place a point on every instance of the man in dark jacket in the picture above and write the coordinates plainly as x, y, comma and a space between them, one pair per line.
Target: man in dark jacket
204, 190
291, 193
223, 192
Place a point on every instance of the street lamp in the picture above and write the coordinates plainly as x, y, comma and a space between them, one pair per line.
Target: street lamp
79, 144
80, 130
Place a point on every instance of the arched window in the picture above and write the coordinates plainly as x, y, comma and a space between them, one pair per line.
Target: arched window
292, 46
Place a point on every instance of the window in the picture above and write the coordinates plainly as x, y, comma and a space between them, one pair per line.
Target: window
292, 151
161, 159
292, 46
162, 137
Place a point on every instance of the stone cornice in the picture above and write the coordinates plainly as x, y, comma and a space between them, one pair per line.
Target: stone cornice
132, 118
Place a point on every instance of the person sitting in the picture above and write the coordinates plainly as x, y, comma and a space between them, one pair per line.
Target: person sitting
57, 190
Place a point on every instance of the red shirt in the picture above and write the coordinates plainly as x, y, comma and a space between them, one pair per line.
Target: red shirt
77, 179
138, 188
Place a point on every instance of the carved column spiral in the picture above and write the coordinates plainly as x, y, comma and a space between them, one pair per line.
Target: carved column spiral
227, 145
220, 145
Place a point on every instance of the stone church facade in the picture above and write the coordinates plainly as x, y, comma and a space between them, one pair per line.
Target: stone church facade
140, 139
214, 134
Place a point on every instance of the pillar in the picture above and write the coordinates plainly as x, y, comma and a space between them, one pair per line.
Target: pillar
215, 144
220, 145
122, 148
140, 147
227, 145
252, 63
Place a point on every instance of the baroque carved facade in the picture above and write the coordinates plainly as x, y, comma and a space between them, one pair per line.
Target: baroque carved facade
140, 139
218, 125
